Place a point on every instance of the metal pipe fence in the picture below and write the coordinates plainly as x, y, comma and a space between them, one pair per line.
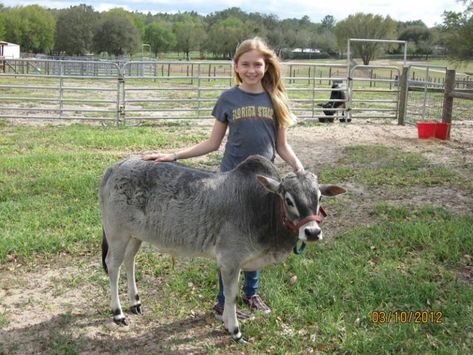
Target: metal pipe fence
143, 90
52, 90
154, 90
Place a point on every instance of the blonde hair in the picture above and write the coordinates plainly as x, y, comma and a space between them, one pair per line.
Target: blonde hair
272, 79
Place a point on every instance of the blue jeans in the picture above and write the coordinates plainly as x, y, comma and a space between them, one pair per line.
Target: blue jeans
249, 288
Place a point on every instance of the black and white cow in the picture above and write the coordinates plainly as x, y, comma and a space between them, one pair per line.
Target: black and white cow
336, 103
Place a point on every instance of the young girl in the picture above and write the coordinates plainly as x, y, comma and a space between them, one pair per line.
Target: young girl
257, 115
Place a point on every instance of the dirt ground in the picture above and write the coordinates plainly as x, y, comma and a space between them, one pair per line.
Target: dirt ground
51, 307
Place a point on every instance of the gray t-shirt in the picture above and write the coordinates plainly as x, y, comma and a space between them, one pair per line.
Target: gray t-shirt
252, 126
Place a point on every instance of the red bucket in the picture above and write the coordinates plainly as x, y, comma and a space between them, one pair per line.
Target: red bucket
442, 131
426, 129
433, 130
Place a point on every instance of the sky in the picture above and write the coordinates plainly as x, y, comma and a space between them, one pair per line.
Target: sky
429, 11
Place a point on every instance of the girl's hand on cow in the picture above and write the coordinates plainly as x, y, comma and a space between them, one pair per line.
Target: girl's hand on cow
161, 157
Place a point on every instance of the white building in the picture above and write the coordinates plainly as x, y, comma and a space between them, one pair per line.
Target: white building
306, 50
9, 50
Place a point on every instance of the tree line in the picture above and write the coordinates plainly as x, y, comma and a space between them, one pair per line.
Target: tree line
80, 30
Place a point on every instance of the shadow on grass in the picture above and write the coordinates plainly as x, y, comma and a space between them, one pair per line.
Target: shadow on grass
87, 333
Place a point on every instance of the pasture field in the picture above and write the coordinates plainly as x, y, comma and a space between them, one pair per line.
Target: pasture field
394, 273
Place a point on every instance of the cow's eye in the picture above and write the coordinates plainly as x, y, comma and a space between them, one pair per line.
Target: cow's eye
289, 202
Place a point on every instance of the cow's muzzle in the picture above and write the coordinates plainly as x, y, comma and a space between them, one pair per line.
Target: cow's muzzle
311, 233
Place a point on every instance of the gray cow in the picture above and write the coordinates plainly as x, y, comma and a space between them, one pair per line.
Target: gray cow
246, 218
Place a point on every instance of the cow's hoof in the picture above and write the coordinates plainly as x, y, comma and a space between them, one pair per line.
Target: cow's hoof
122, 322
241, 340
137, 309
238, 336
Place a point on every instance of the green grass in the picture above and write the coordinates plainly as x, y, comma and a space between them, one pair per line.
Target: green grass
406, 263
49, 180
406, 260
396, 266
377, 165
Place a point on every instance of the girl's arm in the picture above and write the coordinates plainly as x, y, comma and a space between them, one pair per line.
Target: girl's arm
202, 148
285, 151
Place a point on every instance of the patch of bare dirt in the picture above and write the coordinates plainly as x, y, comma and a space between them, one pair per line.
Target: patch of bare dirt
65, 305
316, 144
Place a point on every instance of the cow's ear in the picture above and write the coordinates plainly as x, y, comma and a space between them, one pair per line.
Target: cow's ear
268, 183
331, 190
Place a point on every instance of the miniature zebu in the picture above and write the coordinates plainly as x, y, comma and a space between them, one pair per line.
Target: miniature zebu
245, 219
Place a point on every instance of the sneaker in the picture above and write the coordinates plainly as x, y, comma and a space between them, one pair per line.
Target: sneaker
218, 312
257, 304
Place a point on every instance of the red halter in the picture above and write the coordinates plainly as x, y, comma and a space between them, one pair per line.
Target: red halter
295, 227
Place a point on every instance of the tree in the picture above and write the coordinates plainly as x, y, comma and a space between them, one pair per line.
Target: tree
328, 23
421, 39
365, 26
458, 34
190, 35
2, 26
2, 23
32, 27
416, 34
326, 42
469, 4
116, 35
75, 29
302, 39
275, 39
160, 37
290, 29
425, 48
272, 32
140, 22
233, 12
225, 35
137, 19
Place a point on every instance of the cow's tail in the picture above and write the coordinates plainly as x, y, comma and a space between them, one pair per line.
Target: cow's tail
104, 250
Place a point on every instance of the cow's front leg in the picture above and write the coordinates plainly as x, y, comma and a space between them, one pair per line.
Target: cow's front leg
230, 277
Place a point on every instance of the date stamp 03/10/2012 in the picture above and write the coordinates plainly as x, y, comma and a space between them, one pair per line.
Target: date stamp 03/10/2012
405, 317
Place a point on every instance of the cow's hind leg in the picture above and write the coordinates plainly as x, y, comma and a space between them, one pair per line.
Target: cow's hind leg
131, 249
230, 277
113, 260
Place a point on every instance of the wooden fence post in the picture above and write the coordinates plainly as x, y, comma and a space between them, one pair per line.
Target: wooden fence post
448, 98
402, 110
